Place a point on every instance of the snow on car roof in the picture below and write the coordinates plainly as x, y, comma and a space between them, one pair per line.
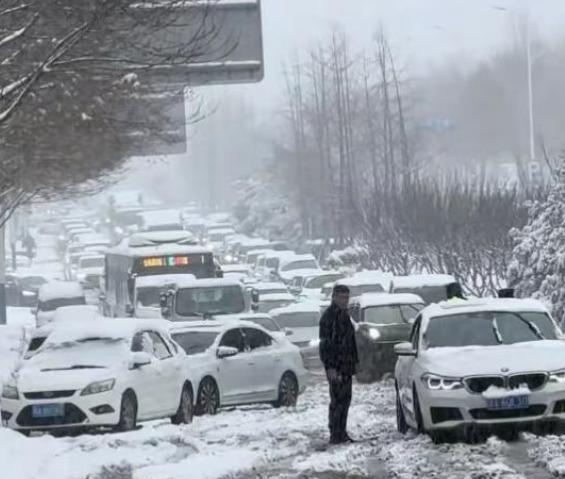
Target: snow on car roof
60, 289
480, 305
215, 325
305, 307
305, 272
185, 282
297, 257
268, 286
235, 268
265, 298
91, 255
353, 281
108, 328
160, 280
76, 313
368, 300
422, 280
221, 230
282, 255
158, 250
147, 238
160, 217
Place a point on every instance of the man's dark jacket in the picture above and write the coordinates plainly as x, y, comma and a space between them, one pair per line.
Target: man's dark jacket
338, 348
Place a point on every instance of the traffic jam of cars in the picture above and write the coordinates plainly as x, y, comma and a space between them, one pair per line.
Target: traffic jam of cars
173, 313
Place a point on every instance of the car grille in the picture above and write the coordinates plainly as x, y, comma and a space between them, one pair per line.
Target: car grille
480, 384
73, 415
533, 381
49, 394
532, 411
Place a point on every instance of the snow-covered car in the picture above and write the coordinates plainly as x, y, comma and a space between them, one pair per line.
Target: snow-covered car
89, 270
295, 265
268, 263
270, 301
66, 314
147, 293
432, 288
382, 321
301, 322
193, 299
55, 295
309, 286
358, 285
240, 363
483, 363
110, 375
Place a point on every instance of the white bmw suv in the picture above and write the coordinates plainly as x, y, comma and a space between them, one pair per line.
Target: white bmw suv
481, 365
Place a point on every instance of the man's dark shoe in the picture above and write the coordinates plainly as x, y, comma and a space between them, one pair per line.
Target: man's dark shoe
336, 440
346, 438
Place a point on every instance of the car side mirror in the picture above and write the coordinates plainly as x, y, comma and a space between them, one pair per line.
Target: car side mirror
227, 352
140, 359
404, 349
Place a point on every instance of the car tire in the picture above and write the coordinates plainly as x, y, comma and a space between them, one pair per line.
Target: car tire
185, 411
128, 413
401, 424
208, 399
418, 413
288, 391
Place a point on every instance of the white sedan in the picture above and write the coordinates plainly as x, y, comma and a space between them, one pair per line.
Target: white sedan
112, 373
481, 365
238, 362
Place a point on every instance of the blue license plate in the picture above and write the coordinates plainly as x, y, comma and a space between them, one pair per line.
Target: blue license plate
512, 402
48, 410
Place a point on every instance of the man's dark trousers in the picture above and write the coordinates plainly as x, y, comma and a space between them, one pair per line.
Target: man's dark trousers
340, 400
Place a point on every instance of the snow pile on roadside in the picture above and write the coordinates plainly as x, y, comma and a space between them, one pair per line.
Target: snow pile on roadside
12, 341
549, 452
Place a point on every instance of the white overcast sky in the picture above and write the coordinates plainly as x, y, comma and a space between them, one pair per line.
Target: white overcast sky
423, 33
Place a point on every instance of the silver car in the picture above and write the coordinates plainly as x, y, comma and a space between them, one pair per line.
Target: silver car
480, 366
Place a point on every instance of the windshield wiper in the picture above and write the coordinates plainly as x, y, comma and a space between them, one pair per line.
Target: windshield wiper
533, 327
496, 331
76, 366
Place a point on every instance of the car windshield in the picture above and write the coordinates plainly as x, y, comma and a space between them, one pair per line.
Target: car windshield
299, 320
267, 323
303, 264
358, 290
430, 294
213, 300
195, 342
319, 281
382, 315
272, 263
488, 329
32, 282
92, 262
149, 297
53, 304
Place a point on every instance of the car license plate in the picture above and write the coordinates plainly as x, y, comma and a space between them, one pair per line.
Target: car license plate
511, 402
48, 410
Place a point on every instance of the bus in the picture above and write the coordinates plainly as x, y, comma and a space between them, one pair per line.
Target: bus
150, 254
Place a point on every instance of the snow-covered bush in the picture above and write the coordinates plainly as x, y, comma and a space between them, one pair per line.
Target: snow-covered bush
537, 268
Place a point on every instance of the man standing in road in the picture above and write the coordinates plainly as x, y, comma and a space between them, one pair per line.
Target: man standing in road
338, 352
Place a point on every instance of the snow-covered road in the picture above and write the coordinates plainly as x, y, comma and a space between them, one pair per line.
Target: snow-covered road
262, 442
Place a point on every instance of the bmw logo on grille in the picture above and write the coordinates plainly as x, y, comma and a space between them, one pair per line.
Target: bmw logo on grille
504, 370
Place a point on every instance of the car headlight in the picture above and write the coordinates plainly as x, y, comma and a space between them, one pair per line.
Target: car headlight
10, 391
81, 276
228, 258
441, 383
29, 294
557, 376
373, 333
98, 387
314, 343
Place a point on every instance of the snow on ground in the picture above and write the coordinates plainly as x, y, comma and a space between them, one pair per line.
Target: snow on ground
262, 442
